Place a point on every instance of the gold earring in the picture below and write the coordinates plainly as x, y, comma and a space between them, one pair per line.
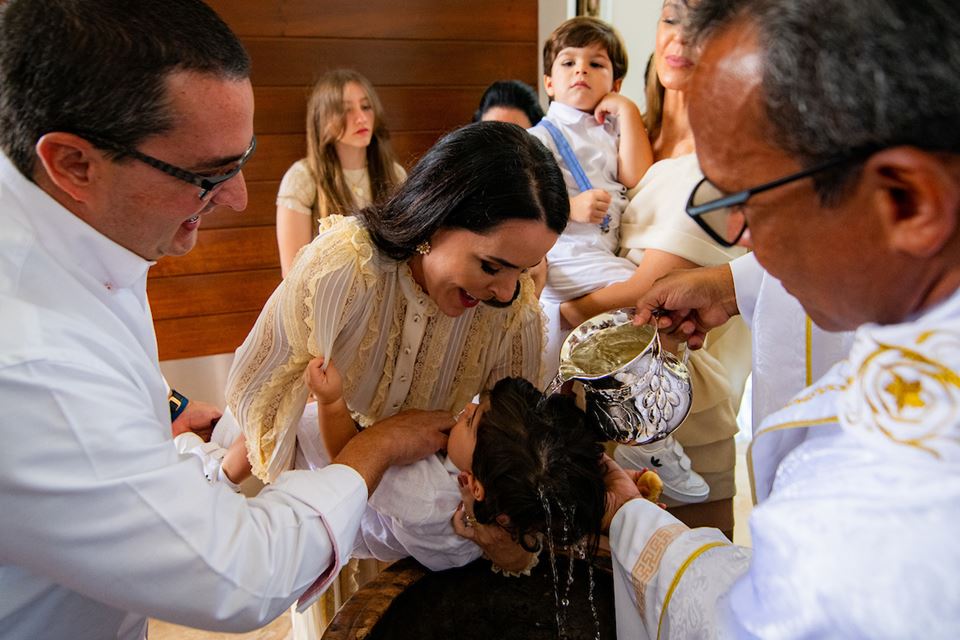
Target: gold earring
423, 248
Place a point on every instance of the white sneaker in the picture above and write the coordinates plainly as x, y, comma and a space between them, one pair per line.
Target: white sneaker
666, 457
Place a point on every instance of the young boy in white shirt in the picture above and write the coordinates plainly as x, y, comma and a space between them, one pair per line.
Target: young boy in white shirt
602, 147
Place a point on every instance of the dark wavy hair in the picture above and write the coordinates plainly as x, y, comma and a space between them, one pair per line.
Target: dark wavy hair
539, 465
99, 67
475, 178
514, 94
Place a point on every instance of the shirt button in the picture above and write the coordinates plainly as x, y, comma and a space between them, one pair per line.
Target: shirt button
403, 378
396, 405
406, 350
416, 318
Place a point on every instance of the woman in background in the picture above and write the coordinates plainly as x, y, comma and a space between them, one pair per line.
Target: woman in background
510, 101
349, 161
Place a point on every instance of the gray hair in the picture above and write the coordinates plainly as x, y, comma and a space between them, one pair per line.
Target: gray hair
851, 76
98, 68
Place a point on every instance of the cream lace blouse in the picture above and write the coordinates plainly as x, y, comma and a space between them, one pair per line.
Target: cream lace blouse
394, 349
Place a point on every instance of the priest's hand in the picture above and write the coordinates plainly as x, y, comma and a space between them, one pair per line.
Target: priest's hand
621, 487
690, 302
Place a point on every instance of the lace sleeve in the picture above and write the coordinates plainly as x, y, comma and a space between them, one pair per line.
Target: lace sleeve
300, 321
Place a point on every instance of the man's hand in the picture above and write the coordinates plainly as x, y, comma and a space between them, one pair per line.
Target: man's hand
690, 302
199, 417
590, 206
400, 439
621, 488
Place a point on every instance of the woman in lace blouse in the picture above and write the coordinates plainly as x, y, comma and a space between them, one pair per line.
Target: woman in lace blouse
349, 162
423, 301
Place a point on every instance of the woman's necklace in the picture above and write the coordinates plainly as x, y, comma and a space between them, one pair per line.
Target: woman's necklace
358, 186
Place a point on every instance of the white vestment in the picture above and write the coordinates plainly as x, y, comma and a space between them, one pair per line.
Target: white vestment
857, 536
789, 353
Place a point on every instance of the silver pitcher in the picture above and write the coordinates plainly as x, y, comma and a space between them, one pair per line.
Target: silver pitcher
642, 399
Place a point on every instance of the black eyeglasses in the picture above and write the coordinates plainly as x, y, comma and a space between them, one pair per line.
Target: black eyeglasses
711, 209
207, 184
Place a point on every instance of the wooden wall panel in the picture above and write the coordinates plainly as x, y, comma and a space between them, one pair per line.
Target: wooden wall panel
203, 335
429, 60
298, 61
497, 20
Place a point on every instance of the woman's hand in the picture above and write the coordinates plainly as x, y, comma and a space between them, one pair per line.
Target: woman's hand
326, 384
494, 540
590, 206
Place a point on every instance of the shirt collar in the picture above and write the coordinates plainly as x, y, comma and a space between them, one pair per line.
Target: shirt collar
71, 241
566, 114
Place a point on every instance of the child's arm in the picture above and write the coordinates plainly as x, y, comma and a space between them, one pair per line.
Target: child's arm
635, 154
654, 264
333, 417
235, 465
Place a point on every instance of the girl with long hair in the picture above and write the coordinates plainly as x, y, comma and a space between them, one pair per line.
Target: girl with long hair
349, 162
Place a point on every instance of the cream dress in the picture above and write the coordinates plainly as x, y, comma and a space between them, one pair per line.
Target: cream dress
395, 350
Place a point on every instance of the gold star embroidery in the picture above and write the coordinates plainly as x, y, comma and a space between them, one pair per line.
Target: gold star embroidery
906, 393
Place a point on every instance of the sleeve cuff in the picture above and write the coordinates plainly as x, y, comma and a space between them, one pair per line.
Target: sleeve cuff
339, 494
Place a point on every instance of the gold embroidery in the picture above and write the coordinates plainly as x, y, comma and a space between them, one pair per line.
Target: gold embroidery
907, 397
819, 391
648, 562
906, 393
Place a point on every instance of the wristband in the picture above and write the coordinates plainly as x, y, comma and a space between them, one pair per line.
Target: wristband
178, 402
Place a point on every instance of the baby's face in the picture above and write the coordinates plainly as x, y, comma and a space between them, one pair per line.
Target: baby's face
580, 77
463, 436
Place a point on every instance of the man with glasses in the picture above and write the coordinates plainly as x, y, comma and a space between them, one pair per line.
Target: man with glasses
827, 132
122, 123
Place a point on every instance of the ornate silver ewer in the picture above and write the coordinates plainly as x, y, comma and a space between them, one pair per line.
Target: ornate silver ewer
636, 391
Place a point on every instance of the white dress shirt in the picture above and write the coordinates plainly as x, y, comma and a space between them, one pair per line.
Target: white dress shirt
584, 258
103, 522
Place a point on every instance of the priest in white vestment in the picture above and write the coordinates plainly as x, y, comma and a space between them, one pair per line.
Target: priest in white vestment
854, 534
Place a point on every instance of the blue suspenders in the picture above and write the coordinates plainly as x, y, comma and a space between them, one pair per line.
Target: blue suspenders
566, 153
